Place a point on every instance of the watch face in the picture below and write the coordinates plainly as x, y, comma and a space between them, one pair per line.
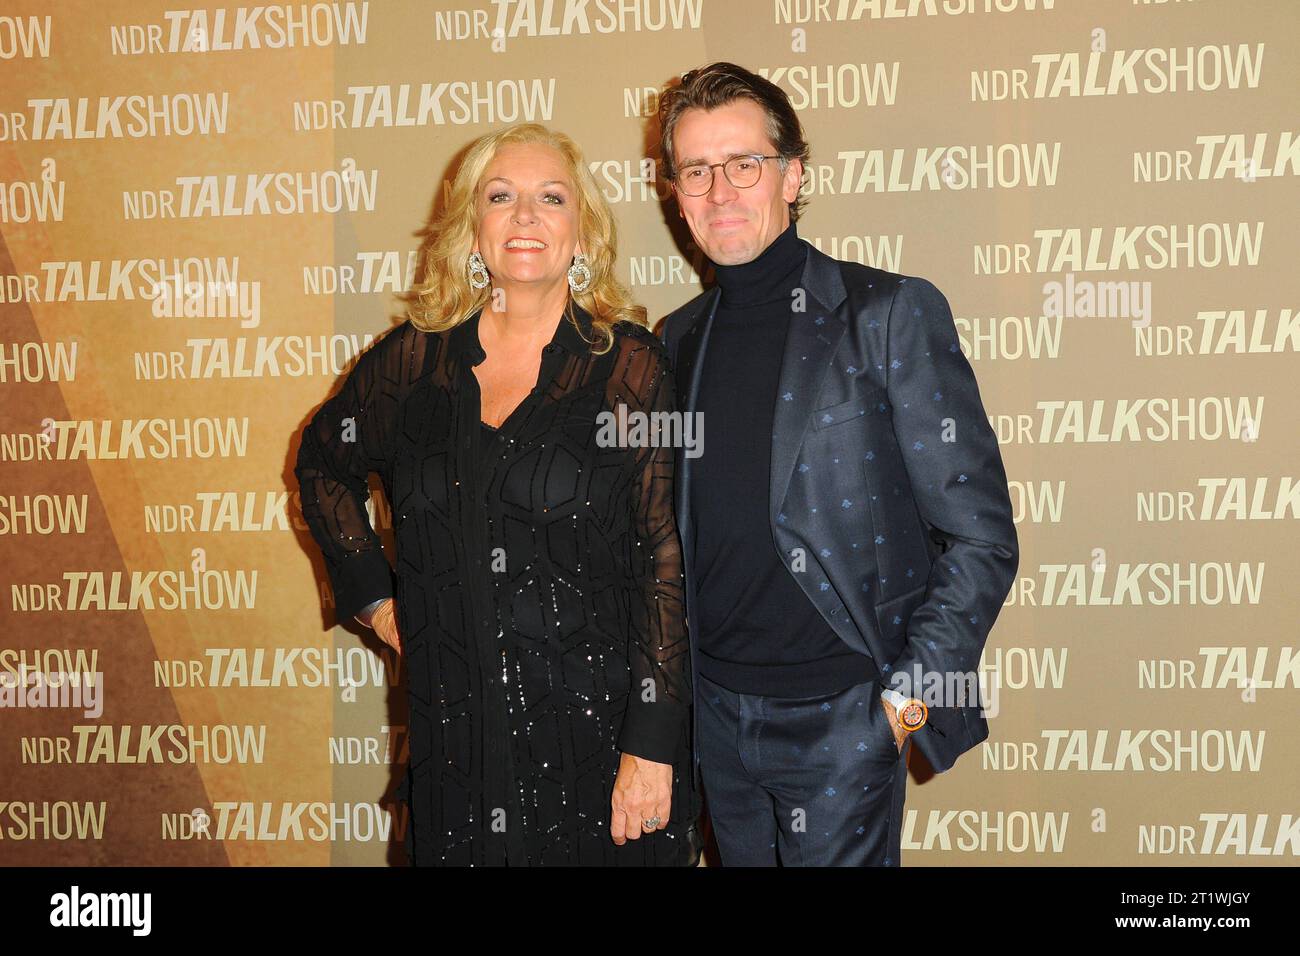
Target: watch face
913, 714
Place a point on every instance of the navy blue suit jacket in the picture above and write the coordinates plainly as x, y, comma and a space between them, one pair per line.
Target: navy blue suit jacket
888, 496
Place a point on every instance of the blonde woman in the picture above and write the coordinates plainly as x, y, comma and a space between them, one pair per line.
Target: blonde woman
537, 599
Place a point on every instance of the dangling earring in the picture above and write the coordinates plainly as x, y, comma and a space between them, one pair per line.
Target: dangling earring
579, 273
478, 274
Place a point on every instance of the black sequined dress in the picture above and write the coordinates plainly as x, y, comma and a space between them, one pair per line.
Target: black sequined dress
538, 589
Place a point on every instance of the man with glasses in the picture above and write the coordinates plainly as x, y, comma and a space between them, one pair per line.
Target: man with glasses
847, 531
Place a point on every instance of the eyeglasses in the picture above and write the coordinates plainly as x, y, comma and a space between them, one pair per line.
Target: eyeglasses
741, 171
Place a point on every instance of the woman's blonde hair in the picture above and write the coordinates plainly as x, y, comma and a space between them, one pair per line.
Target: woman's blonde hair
443, 297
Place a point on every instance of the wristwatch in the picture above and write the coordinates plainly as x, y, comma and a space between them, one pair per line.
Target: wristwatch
911, 711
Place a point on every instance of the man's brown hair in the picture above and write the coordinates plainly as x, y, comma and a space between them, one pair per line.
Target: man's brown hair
718, 84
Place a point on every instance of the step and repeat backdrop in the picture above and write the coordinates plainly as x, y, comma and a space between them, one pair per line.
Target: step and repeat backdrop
207, 213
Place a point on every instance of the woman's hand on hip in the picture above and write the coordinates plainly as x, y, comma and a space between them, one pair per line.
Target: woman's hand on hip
643, 790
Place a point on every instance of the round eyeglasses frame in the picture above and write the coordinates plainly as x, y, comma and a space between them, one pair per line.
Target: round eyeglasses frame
728, 169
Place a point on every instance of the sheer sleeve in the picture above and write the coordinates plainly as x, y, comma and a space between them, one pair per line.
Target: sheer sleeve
658, 651
348, 438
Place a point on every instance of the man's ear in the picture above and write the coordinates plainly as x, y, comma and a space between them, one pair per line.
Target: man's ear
794, 172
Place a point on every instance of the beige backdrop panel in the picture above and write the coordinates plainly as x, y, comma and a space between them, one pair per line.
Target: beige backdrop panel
1143, 670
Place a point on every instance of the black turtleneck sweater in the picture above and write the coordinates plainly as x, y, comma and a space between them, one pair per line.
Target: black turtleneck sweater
758, 632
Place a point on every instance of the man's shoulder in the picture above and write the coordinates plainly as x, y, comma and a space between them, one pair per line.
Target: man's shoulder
874, 295
862, 281
691, 306
676, 322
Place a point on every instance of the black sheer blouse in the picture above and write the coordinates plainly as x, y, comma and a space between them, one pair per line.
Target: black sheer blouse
538, 589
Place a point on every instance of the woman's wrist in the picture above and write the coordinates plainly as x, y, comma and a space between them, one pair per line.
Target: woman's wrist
367, 613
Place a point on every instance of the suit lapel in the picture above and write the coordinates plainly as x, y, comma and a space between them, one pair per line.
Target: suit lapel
690, 362
810, 343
